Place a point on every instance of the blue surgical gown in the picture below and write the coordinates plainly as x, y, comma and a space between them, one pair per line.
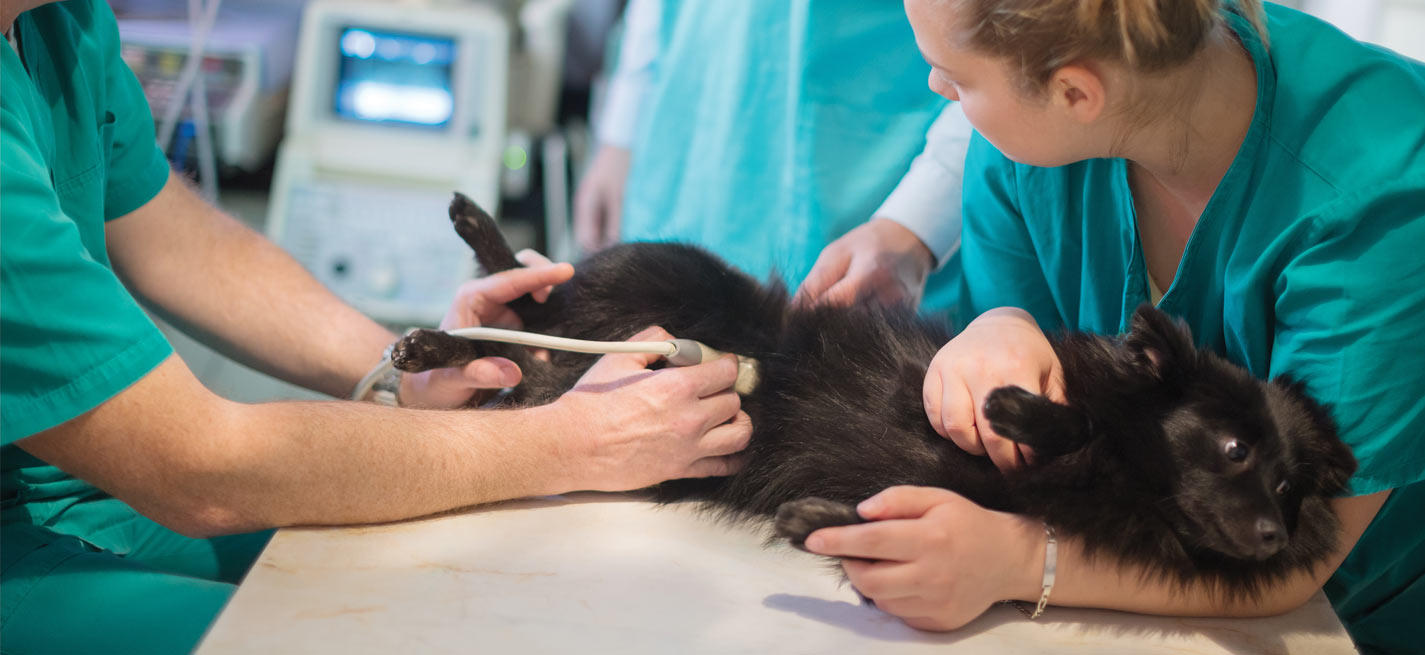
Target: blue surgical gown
776, 126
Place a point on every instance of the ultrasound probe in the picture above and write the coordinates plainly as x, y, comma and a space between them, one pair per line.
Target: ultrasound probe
678, 352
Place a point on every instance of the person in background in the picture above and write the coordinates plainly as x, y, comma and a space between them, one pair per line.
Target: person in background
133, 498
1256, 173
769, 133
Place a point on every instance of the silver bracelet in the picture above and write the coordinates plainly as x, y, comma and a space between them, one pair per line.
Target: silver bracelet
1051, 569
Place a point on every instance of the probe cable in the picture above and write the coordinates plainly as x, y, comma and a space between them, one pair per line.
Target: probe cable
678, 352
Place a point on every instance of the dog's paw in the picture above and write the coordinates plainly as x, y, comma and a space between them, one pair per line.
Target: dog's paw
1050, 428
1008, 407
480, 231
423, 350
799, 518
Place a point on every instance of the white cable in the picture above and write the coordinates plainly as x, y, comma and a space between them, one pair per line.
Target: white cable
189, 73
207, 159
678, 352
665, 348
364, 386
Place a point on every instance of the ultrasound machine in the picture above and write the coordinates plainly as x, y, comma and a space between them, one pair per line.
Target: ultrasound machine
393, 107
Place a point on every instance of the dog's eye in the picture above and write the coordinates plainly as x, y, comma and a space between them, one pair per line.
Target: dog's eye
1235, 450
1283, 487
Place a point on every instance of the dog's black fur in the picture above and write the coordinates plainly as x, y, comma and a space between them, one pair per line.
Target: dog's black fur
1165, 456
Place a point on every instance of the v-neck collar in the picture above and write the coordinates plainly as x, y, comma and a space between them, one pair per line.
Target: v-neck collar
29, 47
12, 37
1189, 276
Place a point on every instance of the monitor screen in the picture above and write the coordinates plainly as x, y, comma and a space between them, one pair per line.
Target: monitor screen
395, 78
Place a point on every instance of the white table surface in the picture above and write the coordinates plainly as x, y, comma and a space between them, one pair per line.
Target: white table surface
609, 573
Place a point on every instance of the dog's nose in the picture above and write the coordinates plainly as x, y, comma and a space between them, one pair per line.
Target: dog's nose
1270, 537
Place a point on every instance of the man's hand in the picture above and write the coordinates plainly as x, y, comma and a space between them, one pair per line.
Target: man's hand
630, 427
880, 260
1002, 347
935, 559
598, 203
482, 302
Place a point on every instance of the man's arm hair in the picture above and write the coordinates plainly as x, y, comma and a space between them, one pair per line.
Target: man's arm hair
236, 291
203, 465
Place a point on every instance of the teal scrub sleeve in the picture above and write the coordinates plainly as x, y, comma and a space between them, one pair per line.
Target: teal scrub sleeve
1348, 317
73, 336
1001, 266
137, 168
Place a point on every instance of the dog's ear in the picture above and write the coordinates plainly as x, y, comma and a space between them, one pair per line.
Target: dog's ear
1327, 459
1334, 464
1159, 343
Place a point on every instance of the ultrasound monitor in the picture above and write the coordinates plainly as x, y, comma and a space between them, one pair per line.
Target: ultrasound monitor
391, 77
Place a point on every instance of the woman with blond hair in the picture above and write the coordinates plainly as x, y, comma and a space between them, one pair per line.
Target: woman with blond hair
1252, 171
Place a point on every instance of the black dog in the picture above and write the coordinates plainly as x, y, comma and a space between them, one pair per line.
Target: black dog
1164, 456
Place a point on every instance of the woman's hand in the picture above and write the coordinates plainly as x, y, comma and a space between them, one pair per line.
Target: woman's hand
482, 302
598, 202
880, 260
630, 427
1002, 347
935, 559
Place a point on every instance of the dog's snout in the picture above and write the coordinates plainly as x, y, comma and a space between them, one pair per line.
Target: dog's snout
1268, 530
1271, 537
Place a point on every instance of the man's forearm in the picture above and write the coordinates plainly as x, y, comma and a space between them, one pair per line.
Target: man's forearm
346, 463
240, 293
203, 465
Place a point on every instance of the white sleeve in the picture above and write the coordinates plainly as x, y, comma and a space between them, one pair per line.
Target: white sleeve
927, 200
632, 78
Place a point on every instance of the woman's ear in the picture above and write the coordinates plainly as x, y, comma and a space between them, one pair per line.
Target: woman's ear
1078, 90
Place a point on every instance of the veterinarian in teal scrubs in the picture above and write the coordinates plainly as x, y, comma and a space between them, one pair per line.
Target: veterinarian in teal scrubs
90, 219
71, 53
1304, 259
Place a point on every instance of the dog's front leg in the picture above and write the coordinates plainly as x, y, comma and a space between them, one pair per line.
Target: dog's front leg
1033, 420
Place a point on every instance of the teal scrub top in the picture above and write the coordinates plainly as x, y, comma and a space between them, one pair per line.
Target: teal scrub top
773, 128
1307, 261
78, 150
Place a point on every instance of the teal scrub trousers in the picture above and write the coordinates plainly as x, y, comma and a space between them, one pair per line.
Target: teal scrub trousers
129, 586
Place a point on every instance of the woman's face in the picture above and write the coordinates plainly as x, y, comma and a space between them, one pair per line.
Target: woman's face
1026, 130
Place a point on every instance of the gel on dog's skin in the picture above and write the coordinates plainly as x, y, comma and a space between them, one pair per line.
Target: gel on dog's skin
1165, 456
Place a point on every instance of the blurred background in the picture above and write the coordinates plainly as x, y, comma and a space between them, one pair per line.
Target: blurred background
340, 128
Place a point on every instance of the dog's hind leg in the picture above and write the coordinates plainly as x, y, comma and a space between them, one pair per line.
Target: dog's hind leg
479, 231
1031, 419
799, 518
